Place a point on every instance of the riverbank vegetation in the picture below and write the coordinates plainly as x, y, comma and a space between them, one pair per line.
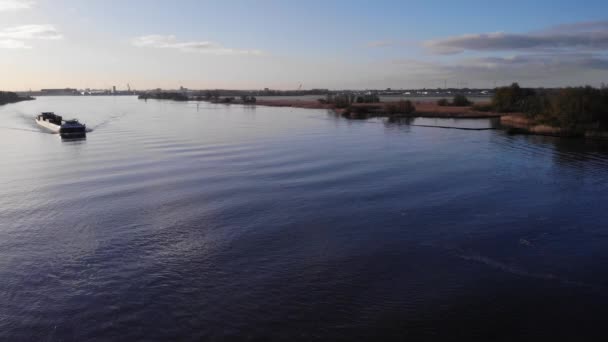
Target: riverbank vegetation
348, 99
459, 100
10, 97
399, 108
164, 96
210, 96
572, 110
389, 109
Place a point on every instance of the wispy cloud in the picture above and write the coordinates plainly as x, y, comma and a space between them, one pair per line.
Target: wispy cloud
43, 32
13, 5
584, 35
390, 43
538, 61
575, 52
15, 37
13, 44
380, 43
171, 42
537, 69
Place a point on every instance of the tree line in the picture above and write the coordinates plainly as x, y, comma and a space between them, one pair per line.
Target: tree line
573, 108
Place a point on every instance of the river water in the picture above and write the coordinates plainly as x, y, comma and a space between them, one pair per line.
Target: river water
176, 221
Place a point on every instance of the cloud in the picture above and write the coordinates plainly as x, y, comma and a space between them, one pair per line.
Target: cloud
538, 63
590, 36
13, 44
171, 42
42, 32
13, 5
14, 37
541, 69
567, 54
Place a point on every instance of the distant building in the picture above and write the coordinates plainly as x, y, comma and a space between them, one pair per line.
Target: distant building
113, 89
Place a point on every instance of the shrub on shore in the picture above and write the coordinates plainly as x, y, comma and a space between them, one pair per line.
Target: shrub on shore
483, 107
341, 102
513, 98
443, 103
457, 101
461, 101
368, 98
401, 107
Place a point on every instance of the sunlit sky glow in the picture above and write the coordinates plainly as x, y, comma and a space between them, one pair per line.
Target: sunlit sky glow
282, 44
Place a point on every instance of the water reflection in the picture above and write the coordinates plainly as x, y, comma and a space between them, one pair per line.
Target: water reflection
74, 139
574, 152
400, 121
447, 123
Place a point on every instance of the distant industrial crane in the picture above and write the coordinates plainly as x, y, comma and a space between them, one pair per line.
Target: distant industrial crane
300, 87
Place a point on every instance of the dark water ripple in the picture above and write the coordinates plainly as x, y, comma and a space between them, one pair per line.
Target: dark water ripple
172, 222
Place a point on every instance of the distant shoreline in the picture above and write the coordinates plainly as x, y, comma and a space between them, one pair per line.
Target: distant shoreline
10, 97
513, 121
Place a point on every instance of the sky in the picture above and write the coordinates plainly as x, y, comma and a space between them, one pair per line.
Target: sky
317, 44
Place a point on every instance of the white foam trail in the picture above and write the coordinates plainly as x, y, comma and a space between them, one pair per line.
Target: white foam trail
25, 129
105, 122
522, 272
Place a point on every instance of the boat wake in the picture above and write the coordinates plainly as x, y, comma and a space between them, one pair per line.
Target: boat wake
516, 270
512, 268
27, 119
25, 129
106, 122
